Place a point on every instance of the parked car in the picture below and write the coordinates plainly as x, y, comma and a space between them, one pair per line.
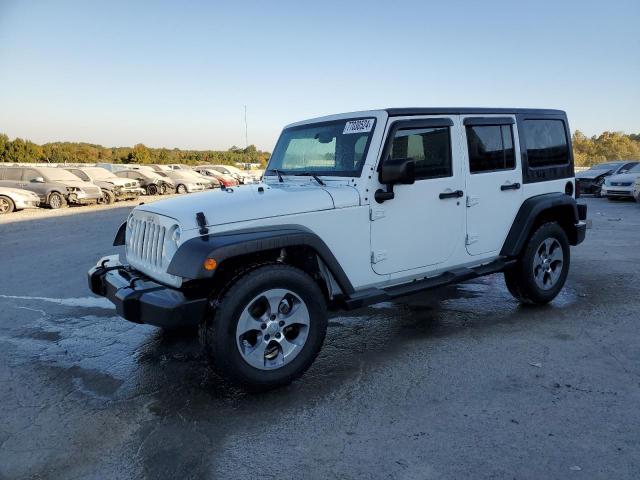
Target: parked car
621, 185
113, 187
222, 178
150, 181
12, 199
240, 176
184, 182
379, 205
55, 187
590, 181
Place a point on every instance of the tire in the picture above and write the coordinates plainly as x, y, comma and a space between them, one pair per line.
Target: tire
542, 270
152, 189
181, 189
163, 189
6, 205
56, 201
108, 197
260, 350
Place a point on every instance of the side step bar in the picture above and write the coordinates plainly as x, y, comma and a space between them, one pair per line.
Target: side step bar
375, 295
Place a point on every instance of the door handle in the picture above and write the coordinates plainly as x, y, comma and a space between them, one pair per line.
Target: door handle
511, 186
454, 194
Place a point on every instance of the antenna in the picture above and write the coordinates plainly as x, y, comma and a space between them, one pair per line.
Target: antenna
246, 129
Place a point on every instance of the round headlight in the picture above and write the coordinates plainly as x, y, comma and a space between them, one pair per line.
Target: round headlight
172, 241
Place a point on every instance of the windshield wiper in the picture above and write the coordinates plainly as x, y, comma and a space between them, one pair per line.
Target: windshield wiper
278, 173
309, 174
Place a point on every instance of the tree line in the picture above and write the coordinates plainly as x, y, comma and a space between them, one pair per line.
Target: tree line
606, 146
587, 151
26, 151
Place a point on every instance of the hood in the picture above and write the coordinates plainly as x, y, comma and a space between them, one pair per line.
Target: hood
591, 174
623, 177
119, 181
241, 204
17, 191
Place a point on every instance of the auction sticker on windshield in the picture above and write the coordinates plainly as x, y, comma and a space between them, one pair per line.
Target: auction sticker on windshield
363, 125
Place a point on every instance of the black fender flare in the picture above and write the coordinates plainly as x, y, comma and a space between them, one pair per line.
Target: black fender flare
526, 217
188, 259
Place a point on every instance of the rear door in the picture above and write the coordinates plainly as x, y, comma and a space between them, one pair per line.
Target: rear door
494, 181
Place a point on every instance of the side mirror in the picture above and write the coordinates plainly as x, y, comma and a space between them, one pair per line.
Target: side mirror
393, 171
400, 170
37, 180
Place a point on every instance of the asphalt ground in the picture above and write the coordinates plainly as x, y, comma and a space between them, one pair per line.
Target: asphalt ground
458, 383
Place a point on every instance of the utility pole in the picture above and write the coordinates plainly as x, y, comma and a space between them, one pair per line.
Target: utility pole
246, 129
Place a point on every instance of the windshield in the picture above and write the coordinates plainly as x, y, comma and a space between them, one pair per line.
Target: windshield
58, 175
99, 173
604, 166
634, 169
329, 148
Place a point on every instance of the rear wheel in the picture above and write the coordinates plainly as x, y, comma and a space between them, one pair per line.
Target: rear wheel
542, 271
181, 189
56, 201
267, 328
6, 205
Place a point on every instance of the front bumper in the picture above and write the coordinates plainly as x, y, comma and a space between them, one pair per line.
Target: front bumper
22, 203
139, 299
129, 193
84, 198
615, 191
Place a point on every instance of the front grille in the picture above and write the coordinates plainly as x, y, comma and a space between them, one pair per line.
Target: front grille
146, 242
617, 192
128, 185
620, 184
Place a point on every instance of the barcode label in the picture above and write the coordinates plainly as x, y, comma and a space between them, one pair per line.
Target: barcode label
363, 125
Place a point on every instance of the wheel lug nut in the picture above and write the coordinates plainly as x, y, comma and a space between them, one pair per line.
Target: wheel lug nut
267, 336
278, 335
281, 323
273, 317
263, 326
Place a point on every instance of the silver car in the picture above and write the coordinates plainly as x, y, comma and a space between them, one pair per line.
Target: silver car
12, 199
621, 185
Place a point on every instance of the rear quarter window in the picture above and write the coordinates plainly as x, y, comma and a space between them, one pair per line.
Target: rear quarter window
546, 142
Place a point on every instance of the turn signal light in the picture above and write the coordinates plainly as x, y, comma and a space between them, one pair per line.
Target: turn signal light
210, 264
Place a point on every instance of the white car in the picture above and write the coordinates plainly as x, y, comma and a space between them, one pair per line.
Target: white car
12, 199
354, 209
621, 185
240, 175
184, 181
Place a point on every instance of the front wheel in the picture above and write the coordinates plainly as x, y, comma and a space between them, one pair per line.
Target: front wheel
6, 205
152, 189
181, 189
267, 329
56, 201
540, 274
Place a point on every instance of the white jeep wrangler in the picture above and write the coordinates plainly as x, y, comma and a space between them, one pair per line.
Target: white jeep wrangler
354, 209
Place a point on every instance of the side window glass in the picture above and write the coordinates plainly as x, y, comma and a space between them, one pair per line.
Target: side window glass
30, 174
14, 174
429, 148
81, 174
490, 148
546, 142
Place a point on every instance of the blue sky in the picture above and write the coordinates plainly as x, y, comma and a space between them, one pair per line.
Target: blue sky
177, 74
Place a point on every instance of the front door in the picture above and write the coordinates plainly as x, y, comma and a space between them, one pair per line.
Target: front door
419, 227
494, 178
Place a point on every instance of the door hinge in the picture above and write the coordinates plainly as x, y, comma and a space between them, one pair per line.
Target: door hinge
378, 256
472, 238
375, 213
471, 201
